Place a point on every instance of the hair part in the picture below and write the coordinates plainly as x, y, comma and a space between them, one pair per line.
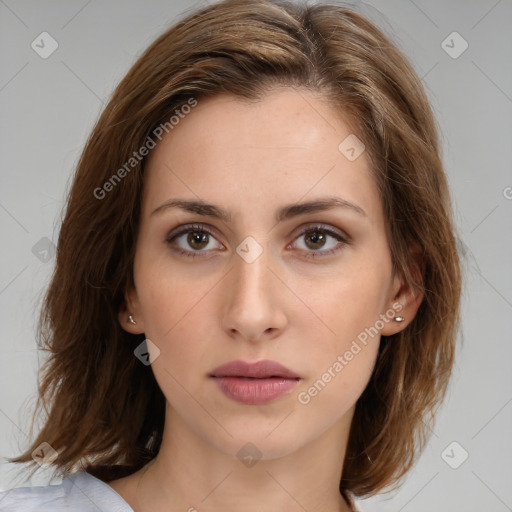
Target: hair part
104, 411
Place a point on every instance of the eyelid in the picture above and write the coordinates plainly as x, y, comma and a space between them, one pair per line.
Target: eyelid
319, 226
194, 226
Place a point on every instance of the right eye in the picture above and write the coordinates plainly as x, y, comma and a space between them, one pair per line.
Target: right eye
198, 238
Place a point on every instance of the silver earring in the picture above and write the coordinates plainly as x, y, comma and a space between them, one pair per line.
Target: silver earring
399, 319
131, 320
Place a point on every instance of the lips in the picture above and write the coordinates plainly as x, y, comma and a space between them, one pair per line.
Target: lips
258, 370
254, 383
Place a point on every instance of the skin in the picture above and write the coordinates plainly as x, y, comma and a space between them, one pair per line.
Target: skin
252, 158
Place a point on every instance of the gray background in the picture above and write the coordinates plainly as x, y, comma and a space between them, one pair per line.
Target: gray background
48, 107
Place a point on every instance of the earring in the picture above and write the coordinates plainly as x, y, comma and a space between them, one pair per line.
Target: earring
131, 320
399, 319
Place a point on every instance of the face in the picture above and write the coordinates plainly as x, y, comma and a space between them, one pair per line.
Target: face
251, 279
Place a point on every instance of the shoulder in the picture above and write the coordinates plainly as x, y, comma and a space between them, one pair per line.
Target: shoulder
352, 500
79, 492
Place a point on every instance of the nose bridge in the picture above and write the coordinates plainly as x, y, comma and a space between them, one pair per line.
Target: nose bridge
251, 275
252, 299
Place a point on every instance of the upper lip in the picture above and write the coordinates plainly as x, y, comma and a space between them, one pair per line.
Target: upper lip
259, 369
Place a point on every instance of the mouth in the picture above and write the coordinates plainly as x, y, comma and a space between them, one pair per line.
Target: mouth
258, 370
254, 383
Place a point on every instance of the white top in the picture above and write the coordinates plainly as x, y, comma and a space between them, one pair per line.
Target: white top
79, 492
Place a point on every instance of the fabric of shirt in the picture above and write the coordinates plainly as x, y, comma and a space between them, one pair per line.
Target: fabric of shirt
80, 492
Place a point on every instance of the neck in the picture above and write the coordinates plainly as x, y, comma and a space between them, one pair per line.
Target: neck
195, 476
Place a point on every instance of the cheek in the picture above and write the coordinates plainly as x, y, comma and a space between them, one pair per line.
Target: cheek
340, 364
347, 302
342, 342
178, 314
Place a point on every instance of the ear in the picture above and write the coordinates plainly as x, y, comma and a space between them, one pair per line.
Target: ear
131, 306
405, 298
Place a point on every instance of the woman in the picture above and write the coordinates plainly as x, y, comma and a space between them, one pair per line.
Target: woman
256, 292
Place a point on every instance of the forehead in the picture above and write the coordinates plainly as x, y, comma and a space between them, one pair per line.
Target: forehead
284, 116
285, 145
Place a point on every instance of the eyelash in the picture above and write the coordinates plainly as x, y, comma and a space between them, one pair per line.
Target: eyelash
197, 228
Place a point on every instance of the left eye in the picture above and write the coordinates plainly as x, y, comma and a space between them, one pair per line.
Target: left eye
316, 241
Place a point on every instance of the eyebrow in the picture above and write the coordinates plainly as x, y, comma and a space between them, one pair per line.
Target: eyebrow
200, 207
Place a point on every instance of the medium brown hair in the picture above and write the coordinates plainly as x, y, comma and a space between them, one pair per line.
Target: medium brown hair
104, 409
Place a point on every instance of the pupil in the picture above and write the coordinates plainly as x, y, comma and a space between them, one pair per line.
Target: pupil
316, 238
197, 238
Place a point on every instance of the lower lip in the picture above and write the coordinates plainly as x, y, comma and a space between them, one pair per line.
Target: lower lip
254, 391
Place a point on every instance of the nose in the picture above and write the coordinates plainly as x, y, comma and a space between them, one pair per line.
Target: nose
254, 299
